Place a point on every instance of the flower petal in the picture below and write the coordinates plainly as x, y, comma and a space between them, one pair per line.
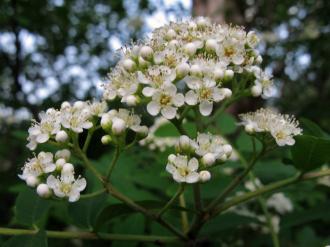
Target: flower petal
205, 107
153, 108
191, 98
192, 177
193, 164
169, 112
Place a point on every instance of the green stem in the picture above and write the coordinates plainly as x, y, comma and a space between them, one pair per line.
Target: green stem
184, 215
91, 235
93, 194
197, 197
88, 140
172, 200
113, 163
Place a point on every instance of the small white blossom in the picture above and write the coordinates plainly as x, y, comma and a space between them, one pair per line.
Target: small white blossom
207, 143
183, 170
43, 190
67, 186
280, 203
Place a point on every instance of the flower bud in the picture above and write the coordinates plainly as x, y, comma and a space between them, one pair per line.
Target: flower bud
79, 104
131, 100
64, 153
143, 63
67, 168
204, 176
229, 74
258, 59
142, 132
59, 163
192, 25
226, 92
43, 190
65, 104
129, 65
182, 70
106, 139
146, 52
208, 159
196, 70
32, 181
211, 45
227, 149
173, 43
223, 158
106, 121
135, 51
249, 128
256, 90
171, 158
170, 34
190, 49
218, 74
184, 143
202, 22
118, 126
61, 136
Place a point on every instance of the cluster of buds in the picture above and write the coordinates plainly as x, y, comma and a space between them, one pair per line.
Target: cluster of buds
281, 127
187, 63
53, 174
117, 122
193, 158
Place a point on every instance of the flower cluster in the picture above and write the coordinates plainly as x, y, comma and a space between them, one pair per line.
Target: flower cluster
188, 63
281, 127
56, 124
53, 174
194, 157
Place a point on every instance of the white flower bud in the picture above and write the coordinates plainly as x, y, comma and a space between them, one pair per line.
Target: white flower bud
64, 153
249, 128
226, 92
208, 159
184, 143
190, 49
223, 158
211, 45
142, 132
173, 43
59, 163
106, 121
142, 63
259, 59
192, 25
65, 104
79, 104
129, 65
32, 181
204, 176
67, 168
196, 70
256, 90
229, 74
131, 100
202, 22
135, 51
182, 70
61, 136
43, 190
218, 74
106, 139
170, 34
227, 149
146, 52
118, 126
171, 158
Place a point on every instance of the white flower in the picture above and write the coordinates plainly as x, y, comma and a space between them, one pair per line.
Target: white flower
183, 170
207, 143
67, 186
232, 51
61, 136
282, 127
39, 165
40, 132
165, 100
280, 203
43, 190
203, 92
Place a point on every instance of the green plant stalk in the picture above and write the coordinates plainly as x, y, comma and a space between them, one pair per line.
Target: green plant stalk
172, 200
93, 194
197, 197
113, 162
91, 235
88, 140
184, 215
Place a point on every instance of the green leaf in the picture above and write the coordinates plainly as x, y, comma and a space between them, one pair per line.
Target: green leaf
38, 240
226, 123
310, 152
311, 128
30, 208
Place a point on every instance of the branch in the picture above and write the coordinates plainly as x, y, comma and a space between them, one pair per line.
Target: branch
172, 200
91, 235
113, 162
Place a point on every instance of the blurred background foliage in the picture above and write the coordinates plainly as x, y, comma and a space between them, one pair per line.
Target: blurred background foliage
56, 50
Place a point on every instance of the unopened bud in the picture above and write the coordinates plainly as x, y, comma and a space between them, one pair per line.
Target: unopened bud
106, 139
129, 65
226, 92
131, 100
256, 90
60, 163
32, 181
67, 168
43, 190
259, 59
229, 74
142, 132
190, 49
227, 149
249, 128
118, 126
61, 136
65, 104
218, 74
106, 121
211, 45
146, 52
208, 159
170, 34
196, 70
64, 153
182, 70
171, 158
204, 176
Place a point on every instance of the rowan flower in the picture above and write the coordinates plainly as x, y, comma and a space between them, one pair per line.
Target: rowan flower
280, 203
210, 144
38, 165
281, 127
183, 170
66, 185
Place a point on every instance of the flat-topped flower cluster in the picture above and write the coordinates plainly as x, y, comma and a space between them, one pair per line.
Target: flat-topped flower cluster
194, 157
189, 63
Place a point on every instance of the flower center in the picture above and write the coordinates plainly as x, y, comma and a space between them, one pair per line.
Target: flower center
229, 51
280, 135
205, 93
165, 99
170, 61
183, 171
65, 188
